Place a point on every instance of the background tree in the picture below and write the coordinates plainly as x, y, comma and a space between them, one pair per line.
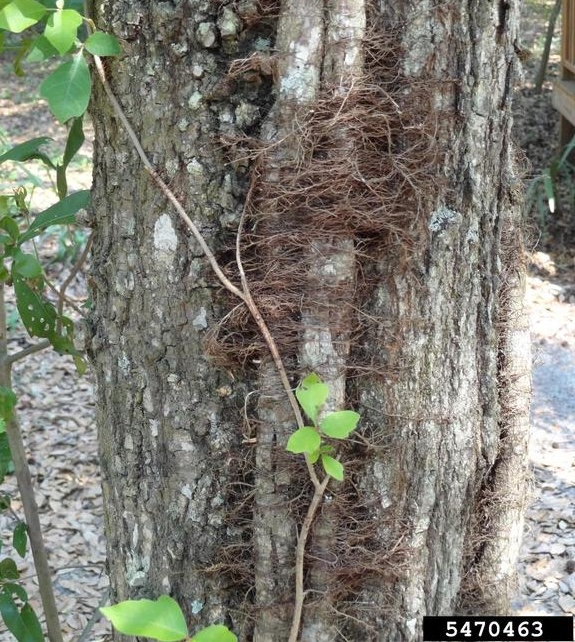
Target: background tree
358, 156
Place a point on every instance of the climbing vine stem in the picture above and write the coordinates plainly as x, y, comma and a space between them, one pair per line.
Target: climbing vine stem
244, 294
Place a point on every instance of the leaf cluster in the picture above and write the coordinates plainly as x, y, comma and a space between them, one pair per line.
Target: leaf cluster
162, 620
67, 89
20, 267
312, 394
47, 31
544, 191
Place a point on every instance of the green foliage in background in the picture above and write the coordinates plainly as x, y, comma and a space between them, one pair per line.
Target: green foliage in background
554, 189
19, 264
37, 32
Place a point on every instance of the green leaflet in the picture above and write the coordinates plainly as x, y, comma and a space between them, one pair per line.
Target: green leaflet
311, 395
21, 14
62, 213
20, 538
339, 424
161, 619
28, 151
67, 89
332, 467
102, 44
304, 440
215, 633
21, 624
62, 29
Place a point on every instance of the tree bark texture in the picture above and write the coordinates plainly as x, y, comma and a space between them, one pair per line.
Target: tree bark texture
361, 151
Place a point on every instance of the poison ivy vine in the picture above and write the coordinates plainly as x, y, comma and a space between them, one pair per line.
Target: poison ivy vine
163, 619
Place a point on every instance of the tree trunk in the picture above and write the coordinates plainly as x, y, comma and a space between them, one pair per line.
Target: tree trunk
361, 152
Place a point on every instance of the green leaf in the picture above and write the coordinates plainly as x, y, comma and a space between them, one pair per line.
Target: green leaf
162, 619
31, 622
311, 394
74, 141
20, 538
215, 633
80, 364
26, 265
37, 313
340, 424
9, 224
62, 213
8, 569
304, 440
28, 151
14, 621
62, 29
5, 456
332, 467
7, 402
6, 246
103, 44
61, 181
11, 588
67, 89
64, 343
21, 14
314, 456
41, 49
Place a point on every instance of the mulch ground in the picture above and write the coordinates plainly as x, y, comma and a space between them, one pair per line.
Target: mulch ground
57, 408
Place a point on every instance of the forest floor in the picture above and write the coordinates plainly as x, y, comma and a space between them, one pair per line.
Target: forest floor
57, 408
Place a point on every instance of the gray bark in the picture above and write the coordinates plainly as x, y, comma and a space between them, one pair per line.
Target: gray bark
408, 303
168, 418
327, 313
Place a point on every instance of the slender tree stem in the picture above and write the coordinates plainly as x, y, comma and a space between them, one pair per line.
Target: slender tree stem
73, 272
26, 489
11, 359
541, 73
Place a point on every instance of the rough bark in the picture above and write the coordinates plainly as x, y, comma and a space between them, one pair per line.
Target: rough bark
397, 281
449, 427
169, 418
299, 36
327, 313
